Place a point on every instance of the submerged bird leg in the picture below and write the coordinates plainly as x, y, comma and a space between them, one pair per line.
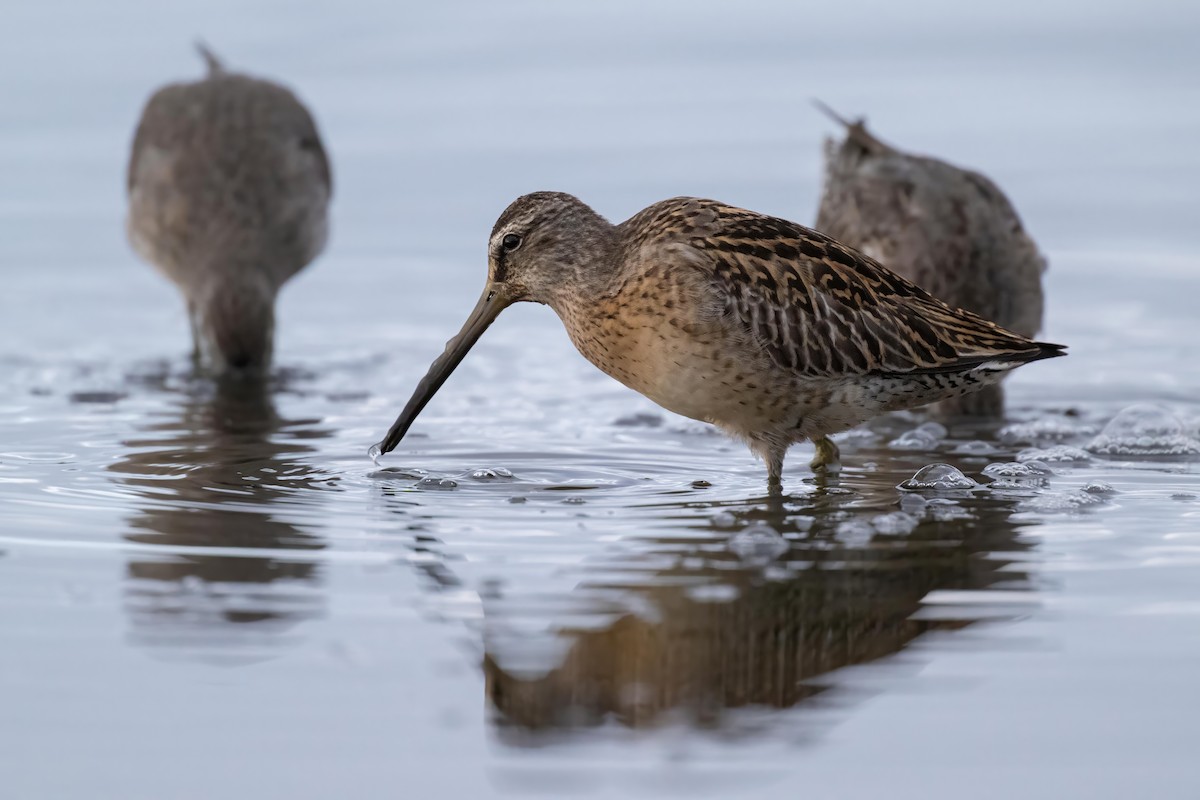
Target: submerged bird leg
772, 453
827, 458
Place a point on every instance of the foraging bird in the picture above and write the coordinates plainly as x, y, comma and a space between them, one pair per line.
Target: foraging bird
769, 330
228, 190
951, 231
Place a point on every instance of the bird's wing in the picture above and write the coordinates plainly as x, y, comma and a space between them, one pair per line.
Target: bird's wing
819, 308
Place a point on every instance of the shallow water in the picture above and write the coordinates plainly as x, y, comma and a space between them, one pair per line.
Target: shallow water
553, 587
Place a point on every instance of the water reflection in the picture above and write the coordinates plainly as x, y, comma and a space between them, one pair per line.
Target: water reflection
222, 472
684, 627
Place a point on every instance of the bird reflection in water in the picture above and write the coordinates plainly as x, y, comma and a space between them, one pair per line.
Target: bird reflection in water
714, 632
222, 471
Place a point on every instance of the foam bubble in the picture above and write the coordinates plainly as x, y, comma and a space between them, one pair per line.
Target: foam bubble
896, 523
1145, 429
1058, 453
938, 477
758, 544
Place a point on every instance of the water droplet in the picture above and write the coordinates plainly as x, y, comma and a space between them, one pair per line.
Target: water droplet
938, 477
375, 451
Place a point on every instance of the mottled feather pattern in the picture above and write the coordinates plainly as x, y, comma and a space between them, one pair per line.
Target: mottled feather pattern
764, 328
817, 307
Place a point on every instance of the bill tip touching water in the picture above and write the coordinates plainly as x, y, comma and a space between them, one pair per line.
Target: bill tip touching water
769, 330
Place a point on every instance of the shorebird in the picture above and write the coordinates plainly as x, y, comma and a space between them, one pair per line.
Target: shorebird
228, 189
771, 331
949, 230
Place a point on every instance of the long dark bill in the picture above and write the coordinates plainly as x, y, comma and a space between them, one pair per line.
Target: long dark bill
490, 304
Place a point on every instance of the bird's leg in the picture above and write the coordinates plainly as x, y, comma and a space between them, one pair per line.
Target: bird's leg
195, 326
827, 458
773, 455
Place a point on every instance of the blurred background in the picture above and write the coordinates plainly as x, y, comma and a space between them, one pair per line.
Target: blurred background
210, 596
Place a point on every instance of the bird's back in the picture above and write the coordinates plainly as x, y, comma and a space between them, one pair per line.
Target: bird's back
949, 230
224, 173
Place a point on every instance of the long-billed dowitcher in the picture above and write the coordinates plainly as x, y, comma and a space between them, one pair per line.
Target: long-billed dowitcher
949, 230
769, 330
228, 190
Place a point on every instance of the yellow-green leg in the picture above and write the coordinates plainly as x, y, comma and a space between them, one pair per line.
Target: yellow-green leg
828, 458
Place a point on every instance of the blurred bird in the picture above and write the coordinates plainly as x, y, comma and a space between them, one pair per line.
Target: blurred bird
767, 329
949, 230
228, 190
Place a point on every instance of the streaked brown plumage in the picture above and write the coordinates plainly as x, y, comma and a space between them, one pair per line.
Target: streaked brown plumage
949, 230
765, 328
228, 190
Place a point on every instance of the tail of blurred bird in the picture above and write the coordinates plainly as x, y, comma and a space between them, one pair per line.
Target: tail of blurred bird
215, 67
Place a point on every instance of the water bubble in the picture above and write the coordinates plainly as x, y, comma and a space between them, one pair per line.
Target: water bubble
938, 477
949, 512
935, 429
915, 439
758, 544
724, 519
855, 532
1058, 453
975, 448
1145, 429
856, 437
517, 499
701, 485
895, 523
1038, 430
1099, 487
437, 484
803, 524
913, 504
1061, 502
411, 473
574, 501
490, 473
1016, 469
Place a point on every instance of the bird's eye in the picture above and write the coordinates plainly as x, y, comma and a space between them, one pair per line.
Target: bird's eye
510, 242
